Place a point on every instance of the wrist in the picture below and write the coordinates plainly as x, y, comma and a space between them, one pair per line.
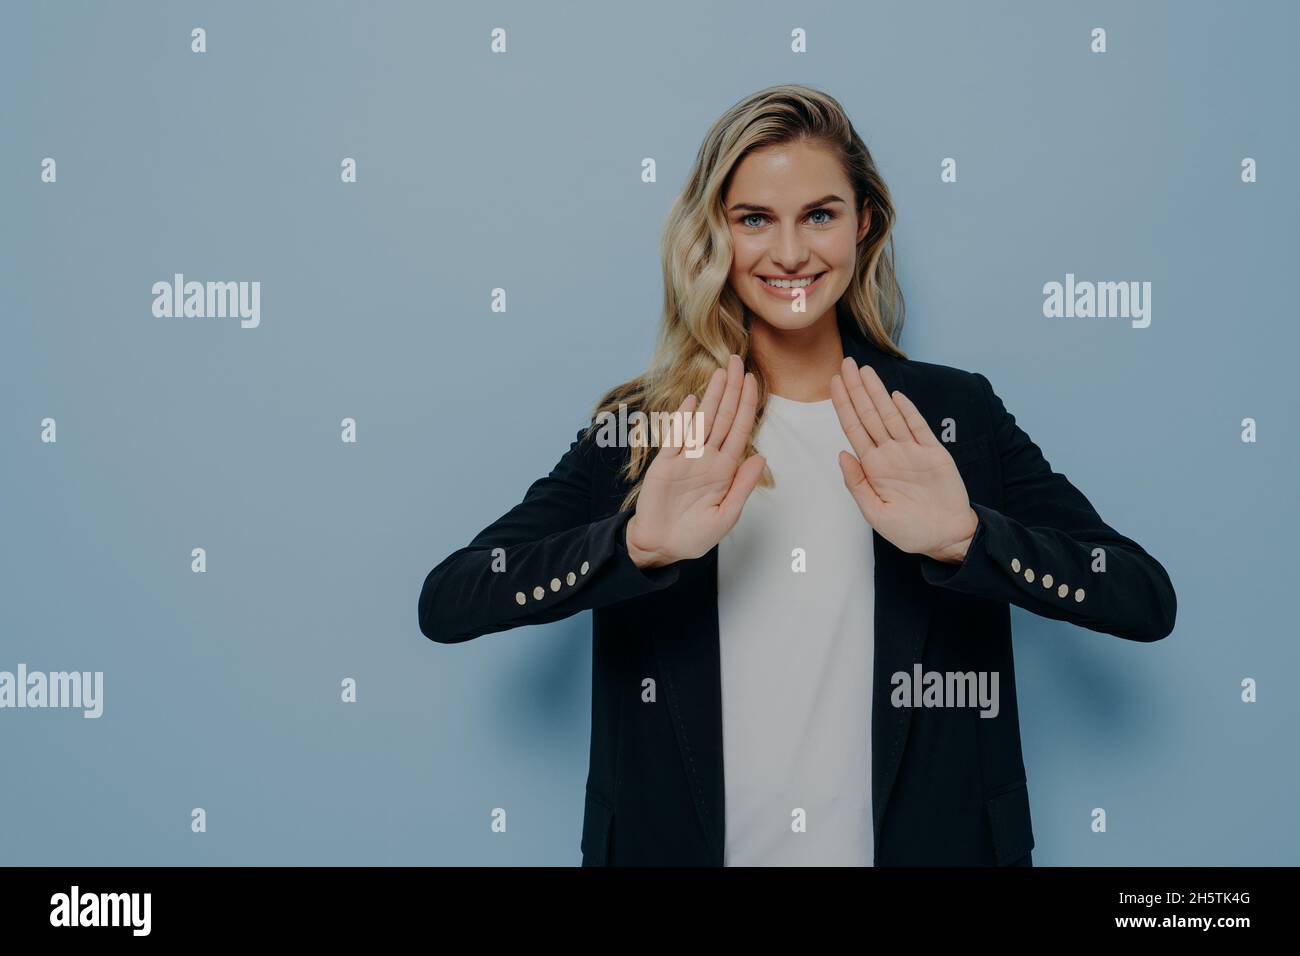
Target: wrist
955, 552
641, 557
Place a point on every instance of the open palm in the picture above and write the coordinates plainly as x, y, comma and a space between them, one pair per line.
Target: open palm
693, 492
903, 479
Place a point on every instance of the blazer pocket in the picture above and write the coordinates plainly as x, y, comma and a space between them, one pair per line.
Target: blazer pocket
597, 825
1008, 812
968, 450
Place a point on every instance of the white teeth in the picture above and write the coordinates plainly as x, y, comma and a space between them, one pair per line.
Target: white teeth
790, 283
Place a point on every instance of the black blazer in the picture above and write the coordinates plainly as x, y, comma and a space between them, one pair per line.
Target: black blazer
948, 786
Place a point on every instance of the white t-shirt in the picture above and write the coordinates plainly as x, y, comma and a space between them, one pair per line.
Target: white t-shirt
797, 651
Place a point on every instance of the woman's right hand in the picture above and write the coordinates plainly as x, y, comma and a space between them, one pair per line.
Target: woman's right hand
687, 505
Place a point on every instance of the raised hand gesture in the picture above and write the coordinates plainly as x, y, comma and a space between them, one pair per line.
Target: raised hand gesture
688, 504
903, 479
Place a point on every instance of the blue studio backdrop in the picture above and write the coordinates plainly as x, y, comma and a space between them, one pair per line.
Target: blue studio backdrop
230, 518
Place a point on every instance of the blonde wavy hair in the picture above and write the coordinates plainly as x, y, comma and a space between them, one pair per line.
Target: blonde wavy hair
703, 319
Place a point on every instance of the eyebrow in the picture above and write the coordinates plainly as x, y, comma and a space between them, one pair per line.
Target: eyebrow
824, 201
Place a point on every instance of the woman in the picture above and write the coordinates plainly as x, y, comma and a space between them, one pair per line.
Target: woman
801, 656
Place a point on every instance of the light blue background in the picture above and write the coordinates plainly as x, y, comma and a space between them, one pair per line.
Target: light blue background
523, 171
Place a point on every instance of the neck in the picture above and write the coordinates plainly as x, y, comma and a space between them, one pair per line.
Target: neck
798, 363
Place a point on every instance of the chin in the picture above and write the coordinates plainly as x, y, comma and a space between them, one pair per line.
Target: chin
789, 322
785, 320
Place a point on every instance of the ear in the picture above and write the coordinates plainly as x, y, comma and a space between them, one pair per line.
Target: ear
864, 220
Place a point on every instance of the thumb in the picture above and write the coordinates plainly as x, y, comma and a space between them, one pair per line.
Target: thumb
855, 479
745, 481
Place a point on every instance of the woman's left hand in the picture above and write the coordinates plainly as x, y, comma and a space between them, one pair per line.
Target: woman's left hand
903, 479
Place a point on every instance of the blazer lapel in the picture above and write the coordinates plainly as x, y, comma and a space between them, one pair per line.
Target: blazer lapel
686, 646
689, 655
902, 616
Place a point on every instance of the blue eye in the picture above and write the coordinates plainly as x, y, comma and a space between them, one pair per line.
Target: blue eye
744, 220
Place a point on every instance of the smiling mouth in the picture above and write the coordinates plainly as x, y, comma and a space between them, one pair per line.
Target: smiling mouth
791, 282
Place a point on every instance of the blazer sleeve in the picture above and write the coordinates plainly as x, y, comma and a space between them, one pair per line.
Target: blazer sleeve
1038, 551
543, 560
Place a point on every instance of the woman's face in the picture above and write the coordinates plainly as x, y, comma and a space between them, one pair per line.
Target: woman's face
791, 214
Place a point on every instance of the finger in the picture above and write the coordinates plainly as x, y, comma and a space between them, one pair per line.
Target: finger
692, 436
730, 401
712, 397
670, 441
738, 436
862, 402
885, 406
849, 421
855, 479
916, 422
745, 481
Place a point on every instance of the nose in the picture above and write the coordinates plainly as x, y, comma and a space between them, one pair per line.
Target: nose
788, 252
